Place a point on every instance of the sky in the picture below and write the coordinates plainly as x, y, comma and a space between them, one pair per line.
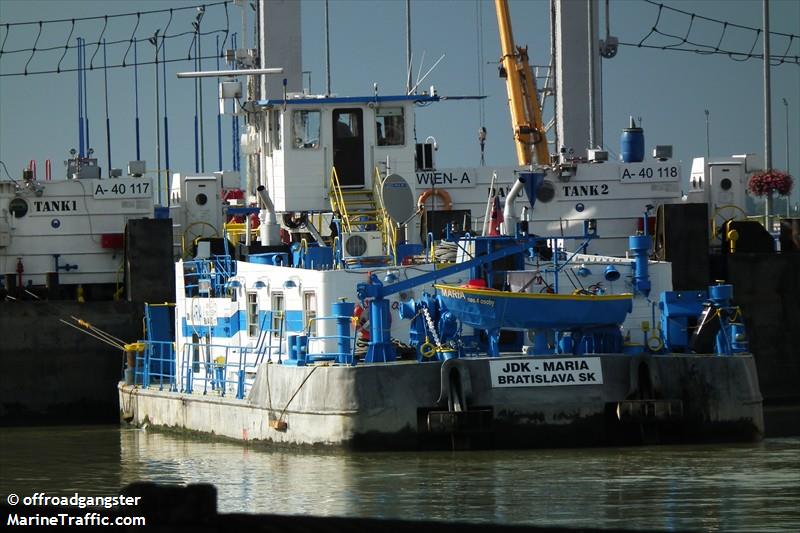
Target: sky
669, 90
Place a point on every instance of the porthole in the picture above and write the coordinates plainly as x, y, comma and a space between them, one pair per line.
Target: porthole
725, 184
201, 199
18, 207
546, 192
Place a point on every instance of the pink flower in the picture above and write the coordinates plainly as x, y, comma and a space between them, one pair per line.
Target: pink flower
766, 182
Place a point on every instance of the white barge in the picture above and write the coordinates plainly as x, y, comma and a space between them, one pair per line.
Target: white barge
381, 321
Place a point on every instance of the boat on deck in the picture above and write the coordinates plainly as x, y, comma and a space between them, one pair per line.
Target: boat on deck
492, 309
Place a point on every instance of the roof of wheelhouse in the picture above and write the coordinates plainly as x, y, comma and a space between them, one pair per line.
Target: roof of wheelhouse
311, 100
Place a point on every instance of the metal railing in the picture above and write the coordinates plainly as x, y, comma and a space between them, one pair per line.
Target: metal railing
341, 357
221, 368
156, 365
236, 230
337, 200
217, 270
214, 363
387, 225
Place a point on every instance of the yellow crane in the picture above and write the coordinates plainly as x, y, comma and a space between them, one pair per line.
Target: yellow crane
526, 115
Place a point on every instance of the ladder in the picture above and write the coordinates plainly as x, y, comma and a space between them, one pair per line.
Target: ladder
362, 210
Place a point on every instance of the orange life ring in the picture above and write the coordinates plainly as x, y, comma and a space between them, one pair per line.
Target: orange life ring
442, 194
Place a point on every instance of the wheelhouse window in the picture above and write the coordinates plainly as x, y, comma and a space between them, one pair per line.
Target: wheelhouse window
252, 314
310, 311
277, 305
390, 125
305, 128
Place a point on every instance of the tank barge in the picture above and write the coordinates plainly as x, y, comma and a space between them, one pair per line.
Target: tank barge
253, 361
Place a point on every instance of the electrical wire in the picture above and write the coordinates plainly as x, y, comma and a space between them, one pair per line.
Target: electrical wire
684, 42
118, 15
5, 168
45, 30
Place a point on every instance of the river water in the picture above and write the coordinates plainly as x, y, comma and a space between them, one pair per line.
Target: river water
741, 487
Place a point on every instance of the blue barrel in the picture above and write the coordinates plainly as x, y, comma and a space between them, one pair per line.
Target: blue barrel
632, 144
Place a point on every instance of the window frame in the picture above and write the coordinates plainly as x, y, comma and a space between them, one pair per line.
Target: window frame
308, 313
275, 324
295, 134
383, 141
251, 299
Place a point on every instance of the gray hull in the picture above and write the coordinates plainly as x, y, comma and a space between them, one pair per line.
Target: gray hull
670, 398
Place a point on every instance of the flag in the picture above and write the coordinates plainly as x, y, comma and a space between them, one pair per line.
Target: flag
496, 217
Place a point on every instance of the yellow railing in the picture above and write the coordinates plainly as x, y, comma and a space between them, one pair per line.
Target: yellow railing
234, 230
388, 228
337, 200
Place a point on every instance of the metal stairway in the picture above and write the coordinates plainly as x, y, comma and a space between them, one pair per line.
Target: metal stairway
362, 210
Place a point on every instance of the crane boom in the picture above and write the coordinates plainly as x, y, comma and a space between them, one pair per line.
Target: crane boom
526, 114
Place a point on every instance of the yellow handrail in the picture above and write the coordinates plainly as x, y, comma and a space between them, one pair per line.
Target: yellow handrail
337, 200
387, 226
234, 230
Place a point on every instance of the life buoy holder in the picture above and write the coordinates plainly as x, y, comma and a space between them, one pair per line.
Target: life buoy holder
442, 194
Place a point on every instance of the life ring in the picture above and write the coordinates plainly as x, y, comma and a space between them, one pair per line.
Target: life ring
361, 321
442, 194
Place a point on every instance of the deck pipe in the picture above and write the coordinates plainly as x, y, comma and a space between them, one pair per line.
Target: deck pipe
510, 218
166, 119
640, 247
136, 97
269, 230
219, 118
79, 50
381, 349
85, 96
108, 120
530, 183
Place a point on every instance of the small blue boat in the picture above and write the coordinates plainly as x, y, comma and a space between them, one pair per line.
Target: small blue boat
491, 309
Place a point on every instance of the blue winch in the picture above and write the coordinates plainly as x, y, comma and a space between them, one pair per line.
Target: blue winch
700, 322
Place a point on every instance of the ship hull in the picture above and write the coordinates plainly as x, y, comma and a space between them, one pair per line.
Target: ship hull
467, 402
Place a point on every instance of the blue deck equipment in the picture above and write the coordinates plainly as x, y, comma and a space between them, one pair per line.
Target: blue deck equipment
490, 309
632, 144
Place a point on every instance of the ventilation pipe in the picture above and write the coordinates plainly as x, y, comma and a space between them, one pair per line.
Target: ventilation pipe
510, 218
269, 230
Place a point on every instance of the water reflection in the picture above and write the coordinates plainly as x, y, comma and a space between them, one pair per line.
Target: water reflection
721, 487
